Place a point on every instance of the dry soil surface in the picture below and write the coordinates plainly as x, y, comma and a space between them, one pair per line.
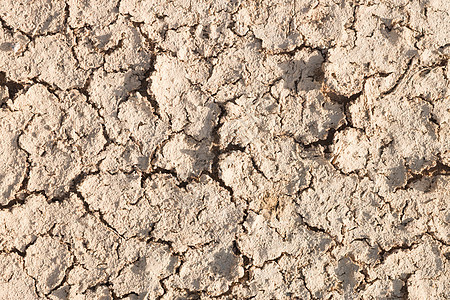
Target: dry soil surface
212, 149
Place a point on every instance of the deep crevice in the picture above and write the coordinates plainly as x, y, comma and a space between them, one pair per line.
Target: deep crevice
13, 87
438, 169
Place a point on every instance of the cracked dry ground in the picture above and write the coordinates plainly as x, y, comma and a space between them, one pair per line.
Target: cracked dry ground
244, 149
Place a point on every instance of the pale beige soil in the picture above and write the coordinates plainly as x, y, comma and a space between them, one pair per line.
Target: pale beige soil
211, 149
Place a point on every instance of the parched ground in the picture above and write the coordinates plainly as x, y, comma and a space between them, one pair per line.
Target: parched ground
243, 149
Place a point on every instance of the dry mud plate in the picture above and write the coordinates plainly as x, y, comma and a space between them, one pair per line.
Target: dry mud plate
243, 149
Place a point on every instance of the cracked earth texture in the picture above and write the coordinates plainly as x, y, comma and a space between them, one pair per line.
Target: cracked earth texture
243, 149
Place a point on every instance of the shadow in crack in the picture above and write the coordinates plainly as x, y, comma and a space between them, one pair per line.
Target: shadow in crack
13, 87
224, 264
345, 272
303, 75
